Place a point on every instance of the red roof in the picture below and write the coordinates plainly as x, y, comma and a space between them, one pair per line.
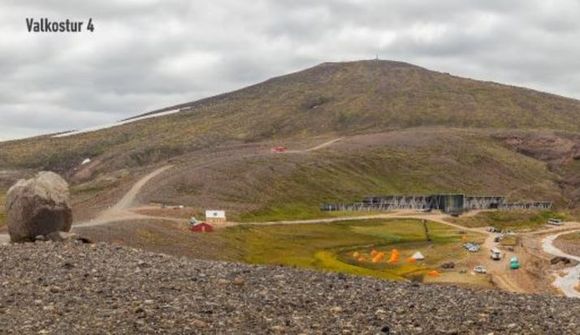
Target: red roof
202, 228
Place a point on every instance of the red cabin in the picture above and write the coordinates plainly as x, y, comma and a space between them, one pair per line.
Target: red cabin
202, 228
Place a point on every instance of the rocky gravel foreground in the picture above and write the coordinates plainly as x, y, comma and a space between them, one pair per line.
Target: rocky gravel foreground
72, 288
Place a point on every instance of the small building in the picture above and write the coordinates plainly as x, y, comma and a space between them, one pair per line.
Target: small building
215, 217
202, 228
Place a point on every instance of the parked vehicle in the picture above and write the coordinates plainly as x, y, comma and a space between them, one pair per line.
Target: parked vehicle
555, 222
514, 263
495, 254
472, 247
480, 269
279, 149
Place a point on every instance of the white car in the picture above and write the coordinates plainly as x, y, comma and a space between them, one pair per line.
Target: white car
495, 254
471, 247
480, 269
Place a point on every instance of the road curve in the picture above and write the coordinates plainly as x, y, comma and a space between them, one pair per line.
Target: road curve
129, 198
120, 211
570, 280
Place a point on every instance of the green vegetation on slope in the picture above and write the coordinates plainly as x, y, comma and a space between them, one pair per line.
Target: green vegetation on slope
274, 187
511, 220
330, 246
332, 98
297, 187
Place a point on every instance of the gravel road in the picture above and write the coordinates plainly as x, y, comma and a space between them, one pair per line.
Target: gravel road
568, 282
69, 288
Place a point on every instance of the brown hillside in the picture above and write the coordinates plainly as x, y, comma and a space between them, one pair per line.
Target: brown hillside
332, 98
415, 161
428, 132
380, 95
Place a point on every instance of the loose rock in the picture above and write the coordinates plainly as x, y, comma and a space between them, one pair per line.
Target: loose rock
38, 206
103, 294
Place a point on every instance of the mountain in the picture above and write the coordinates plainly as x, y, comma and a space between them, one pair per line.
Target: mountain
382, 95
331, 98
406, 128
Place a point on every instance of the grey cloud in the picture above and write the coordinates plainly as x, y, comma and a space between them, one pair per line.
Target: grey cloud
152, 53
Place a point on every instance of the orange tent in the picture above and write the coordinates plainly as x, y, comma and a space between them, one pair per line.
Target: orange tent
395, 255
378, 257
433, 273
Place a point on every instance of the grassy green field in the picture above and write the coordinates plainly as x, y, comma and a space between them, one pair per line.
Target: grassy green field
331, 246
511, 220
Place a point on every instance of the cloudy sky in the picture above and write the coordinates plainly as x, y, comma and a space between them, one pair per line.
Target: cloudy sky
147, 54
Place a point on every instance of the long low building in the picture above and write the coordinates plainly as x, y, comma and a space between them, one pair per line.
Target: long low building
448, 203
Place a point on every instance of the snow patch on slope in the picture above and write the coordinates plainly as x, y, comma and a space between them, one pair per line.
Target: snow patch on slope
120, 123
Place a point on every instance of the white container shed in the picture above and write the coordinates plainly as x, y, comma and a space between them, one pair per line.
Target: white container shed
215, 216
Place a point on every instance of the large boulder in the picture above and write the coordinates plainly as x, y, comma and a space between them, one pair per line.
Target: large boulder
38, 206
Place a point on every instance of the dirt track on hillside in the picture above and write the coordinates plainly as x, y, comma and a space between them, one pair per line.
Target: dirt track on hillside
124, 209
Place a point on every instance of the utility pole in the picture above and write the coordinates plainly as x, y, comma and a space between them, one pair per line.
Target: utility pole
426, 230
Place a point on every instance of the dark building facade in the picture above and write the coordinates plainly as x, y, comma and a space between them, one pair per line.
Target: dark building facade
448, 203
